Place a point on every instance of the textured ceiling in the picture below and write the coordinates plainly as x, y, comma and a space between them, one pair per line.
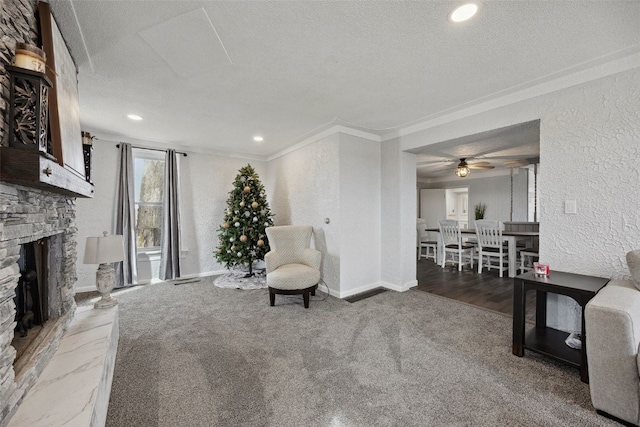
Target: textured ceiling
212, 74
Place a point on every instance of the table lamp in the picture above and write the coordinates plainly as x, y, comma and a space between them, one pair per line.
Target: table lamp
104, 250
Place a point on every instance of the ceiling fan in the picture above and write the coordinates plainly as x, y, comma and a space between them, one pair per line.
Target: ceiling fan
463, 169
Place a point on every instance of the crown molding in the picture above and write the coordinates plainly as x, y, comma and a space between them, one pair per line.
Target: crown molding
325, 134
514, 95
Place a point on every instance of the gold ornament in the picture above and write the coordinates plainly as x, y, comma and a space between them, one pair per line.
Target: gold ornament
247, 189
243, 238
260, 242
242, 204
219, 250
235, 218
254, 205
225, 225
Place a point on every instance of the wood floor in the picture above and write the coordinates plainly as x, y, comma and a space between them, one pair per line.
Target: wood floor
485, 290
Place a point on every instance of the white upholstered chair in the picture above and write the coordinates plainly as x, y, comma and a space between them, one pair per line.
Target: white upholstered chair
452, 243
490, 245
292, 266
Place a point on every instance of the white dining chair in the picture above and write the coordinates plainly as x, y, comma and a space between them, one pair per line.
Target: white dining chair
527, 258
426, 248
490, 245
452, 244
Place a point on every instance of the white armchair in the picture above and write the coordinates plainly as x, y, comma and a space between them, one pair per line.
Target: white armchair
292, 266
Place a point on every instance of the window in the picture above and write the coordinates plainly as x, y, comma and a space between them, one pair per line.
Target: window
148, 171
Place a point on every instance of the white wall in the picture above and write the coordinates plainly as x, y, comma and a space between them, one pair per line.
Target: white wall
398, 217
337, 177
495, 192
205, 181
589, 152
303, 187
359, 214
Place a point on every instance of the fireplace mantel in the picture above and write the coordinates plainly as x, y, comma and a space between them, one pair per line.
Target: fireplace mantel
37, 170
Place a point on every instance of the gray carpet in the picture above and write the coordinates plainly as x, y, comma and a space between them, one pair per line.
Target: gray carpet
199, 355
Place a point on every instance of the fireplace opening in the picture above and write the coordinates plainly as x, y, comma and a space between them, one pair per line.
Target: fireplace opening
31, 295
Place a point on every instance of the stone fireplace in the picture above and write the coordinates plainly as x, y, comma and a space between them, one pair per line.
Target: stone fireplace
27, 216
38, 259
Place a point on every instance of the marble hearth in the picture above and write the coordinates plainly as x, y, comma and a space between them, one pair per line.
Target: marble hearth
74, 388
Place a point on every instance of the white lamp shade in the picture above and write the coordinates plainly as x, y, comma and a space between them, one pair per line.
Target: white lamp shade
103, 249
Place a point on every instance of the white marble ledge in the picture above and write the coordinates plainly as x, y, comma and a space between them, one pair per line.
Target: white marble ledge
73, 390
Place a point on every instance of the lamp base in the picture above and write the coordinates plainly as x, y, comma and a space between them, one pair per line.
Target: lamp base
106, 301
105, 278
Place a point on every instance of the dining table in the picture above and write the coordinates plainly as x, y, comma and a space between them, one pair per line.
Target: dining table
511, 237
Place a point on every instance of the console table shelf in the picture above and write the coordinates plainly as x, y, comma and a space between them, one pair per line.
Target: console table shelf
550, 342
541, 338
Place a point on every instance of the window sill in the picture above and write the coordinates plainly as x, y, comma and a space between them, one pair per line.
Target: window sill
155, 255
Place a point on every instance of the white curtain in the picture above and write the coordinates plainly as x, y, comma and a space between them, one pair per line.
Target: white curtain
126, 271
170, 235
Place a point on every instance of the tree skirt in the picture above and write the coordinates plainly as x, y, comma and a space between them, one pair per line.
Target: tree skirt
235, 280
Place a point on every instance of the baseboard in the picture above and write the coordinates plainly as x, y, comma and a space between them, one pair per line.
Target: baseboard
324, 288
374, 285
93, 288
361, 289
398, 288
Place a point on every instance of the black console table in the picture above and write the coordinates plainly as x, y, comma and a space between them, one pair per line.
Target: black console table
545, 340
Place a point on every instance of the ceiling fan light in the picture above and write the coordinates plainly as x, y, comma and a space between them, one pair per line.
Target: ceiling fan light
462, 171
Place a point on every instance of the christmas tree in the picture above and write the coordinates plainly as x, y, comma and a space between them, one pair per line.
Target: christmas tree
242, 237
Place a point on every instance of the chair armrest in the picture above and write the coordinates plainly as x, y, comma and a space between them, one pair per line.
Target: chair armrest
312, 258
612, 320
272, 260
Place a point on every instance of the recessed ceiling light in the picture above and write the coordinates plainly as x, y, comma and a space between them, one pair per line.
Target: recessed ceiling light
258, 138
134, 117
464, 12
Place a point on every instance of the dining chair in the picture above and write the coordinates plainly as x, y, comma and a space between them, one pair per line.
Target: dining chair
527, 258
430, 247
490, 245
452, 243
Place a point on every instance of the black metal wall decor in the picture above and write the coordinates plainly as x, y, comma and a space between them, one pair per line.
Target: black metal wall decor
28, 109
87, 150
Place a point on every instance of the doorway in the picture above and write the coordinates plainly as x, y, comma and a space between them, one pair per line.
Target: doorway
458, 205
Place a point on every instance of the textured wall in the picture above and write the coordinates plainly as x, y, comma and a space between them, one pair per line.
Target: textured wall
589, 139
390, 259
359, 214
590, 153
304, 188
96, 215
398, 216
205, 181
